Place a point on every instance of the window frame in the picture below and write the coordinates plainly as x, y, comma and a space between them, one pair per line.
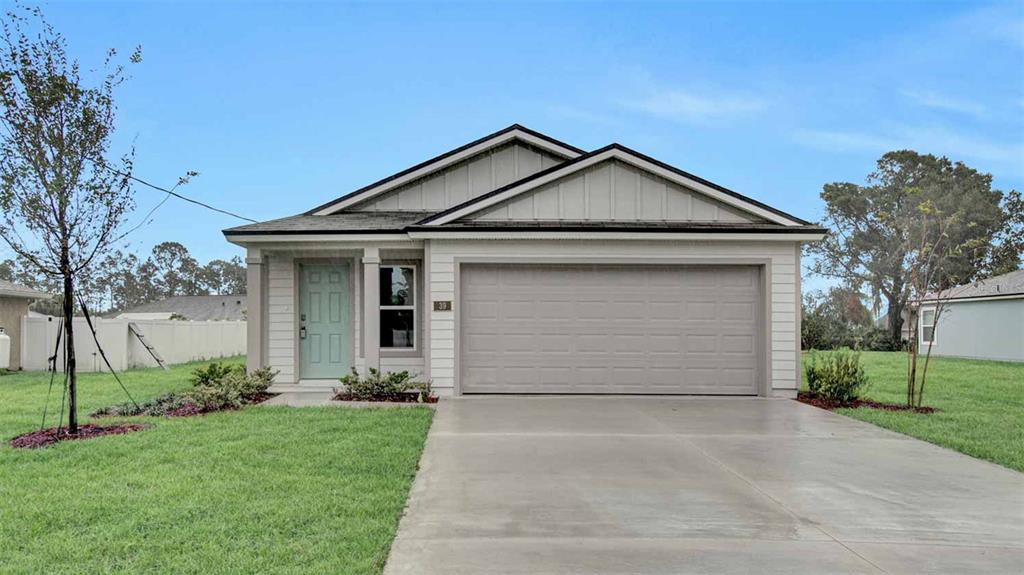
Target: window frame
931, 325
413, 307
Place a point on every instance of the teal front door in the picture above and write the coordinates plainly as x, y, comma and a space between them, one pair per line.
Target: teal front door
324, 321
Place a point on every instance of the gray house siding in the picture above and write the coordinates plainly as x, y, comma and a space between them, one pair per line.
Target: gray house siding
465, 180
988, 329
614, 191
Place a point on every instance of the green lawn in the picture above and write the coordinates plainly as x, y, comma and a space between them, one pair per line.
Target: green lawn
260, 490
981, 405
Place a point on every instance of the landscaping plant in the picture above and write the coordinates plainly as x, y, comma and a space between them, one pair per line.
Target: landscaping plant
836, 376
383, 386
215, 387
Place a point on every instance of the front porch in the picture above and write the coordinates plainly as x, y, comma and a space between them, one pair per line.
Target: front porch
316, 311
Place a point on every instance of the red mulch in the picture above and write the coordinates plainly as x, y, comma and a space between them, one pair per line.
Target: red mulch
45, 437
812, 399
396, 398
187, 410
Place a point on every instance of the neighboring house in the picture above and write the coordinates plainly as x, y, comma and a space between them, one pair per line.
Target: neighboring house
521, 264
191, 308
883, 323
983, 320
14, 302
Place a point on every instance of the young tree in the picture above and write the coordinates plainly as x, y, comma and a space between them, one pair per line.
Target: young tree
932, 250
873, 227
62, 198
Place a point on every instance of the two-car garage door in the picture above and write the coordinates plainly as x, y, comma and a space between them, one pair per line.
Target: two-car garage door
655, 329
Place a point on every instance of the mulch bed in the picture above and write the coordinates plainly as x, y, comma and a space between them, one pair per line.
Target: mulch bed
45, 437
396, 398
812, 399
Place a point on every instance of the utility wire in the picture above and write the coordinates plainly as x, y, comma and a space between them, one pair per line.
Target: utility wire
181, 197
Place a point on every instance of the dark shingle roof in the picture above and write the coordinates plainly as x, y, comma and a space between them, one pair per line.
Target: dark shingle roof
1004, 285
397, 222
197, 307
348, 222
11, 289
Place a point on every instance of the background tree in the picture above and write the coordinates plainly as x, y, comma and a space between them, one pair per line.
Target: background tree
62, 198
176, 270
224, 277
839, 318
874, 231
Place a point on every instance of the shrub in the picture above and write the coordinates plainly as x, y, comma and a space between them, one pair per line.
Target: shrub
215, 386
377, 386
232, 390
836, 376
214, 372
161, 405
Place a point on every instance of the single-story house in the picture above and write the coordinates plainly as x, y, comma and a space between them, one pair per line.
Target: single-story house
883, 323
518, 263
983, 320
191, 308
14, 302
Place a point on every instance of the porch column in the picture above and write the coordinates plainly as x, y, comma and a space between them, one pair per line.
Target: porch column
254, 328
371, 307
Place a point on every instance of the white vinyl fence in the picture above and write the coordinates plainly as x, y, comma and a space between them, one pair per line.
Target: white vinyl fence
175, 341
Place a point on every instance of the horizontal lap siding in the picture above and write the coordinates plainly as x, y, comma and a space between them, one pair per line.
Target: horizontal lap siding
782, 332
281, 317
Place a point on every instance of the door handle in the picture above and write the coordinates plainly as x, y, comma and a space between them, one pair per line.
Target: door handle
302, 332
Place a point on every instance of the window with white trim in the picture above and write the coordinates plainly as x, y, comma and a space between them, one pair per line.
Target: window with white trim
928, 326
398, 307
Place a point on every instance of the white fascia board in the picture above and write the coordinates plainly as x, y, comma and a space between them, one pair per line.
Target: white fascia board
661, 236
446, 162
628, 158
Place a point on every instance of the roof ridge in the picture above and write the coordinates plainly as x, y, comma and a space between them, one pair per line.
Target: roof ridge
443, 156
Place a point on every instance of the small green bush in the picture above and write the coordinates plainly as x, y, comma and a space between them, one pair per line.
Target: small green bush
215, 386
214, 372
836, 376
157, 406
234, 389
379, 386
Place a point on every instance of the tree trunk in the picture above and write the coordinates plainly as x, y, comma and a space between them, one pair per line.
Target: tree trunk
895, 317
69, 349
912, 351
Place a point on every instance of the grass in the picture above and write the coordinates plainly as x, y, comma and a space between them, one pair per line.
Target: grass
260, 490
980, 403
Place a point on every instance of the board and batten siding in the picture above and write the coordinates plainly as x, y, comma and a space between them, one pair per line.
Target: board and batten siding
614, 191
465, 180
781, 332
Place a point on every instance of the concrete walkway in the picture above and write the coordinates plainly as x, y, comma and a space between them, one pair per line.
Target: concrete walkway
695, 485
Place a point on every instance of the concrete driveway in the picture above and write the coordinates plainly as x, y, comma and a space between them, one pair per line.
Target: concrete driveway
696, 485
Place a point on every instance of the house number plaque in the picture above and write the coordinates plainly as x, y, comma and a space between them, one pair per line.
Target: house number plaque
442, 306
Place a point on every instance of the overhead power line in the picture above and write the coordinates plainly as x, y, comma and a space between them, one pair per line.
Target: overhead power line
181, 197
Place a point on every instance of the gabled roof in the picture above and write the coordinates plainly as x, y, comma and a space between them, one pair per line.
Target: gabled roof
513, 132
11, 289
197, 307
624, 154
345, 222
1007, 285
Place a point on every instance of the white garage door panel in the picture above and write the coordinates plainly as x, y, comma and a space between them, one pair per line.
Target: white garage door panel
609, 329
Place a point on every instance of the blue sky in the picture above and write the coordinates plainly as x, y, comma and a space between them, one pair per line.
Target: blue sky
284, 106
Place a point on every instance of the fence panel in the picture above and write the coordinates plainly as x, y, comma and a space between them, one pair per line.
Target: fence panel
176, 341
